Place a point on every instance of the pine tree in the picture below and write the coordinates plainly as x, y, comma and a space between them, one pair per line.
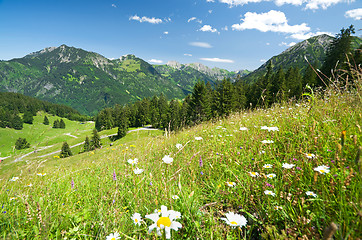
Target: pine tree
21, 143
122, 127
17, 123
65, 151
337, 53
28, 117
95, 141
61, 124
56, 123
86, 146
199, 105
46, 120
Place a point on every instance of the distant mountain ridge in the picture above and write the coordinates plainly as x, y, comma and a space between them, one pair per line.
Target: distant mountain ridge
314, 49
90, 82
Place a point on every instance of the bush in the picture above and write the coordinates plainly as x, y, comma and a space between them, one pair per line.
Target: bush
21, 143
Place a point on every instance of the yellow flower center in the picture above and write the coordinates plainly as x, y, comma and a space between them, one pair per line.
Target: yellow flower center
322, 171
165, 221
234, 223
113, 238
136, 220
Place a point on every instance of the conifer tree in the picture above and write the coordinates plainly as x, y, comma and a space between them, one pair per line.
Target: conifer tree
17, 122
65, 151
46, 120
21, 143
61, 124
337, 53
28, 117
56, 123
122, 127
86, 146
95, 141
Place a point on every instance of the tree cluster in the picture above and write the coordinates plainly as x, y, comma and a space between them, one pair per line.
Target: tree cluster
59, 123
21, 143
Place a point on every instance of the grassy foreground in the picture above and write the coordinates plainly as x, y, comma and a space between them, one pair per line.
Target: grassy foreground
220, 168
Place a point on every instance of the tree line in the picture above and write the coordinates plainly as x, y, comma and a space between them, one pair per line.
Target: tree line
206, 103
13, 104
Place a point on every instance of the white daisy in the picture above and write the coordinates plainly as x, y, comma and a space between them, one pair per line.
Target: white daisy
243, 129
198, 138
310, 155
137, 219
167, 159
175, 197
13, 179
235, 220
310, 193
268, 166
267, 141
322, 169
132, 161
113, 236
41, 174
138, 171
231, 184
268, 192
166, 221
287, 165
271, 175
253, 174
178, 146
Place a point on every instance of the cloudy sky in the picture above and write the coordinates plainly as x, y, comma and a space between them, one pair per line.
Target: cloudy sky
231, 34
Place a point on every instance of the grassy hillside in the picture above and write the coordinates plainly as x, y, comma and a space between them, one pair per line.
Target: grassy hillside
220, 168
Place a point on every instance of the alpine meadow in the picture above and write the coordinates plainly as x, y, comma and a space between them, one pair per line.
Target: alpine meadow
96, 147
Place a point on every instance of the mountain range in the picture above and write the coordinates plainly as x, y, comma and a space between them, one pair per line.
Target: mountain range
89, 82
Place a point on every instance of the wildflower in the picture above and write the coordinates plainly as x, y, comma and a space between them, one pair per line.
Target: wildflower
277, 208
322, 169
264, 128
29, 185
231, 184
243, 129
200, 162
310, 155
13, 179
72, 183
268, 166
13, 198
234, 220
178, 146
136, 217
137, 171
167, 159
253, 174
267, 141
132, 161
287, 165
271, 175
262, 152
198, 138
268, 192
202, 173
114, 176
175, 197
166, 221
41, 174
310, 193
113, 236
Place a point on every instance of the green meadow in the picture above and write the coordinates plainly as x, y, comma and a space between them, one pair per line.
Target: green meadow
291, 171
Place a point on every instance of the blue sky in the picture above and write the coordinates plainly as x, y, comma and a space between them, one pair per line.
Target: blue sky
230, 34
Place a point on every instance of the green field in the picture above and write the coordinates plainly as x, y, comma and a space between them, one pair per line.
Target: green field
94, 194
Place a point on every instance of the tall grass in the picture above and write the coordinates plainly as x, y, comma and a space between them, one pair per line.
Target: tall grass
79, 198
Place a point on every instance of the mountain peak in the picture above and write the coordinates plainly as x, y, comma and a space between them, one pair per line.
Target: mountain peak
174, 64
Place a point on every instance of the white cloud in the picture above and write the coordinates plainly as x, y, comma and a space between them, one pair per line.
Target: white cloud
207, 28
146, 19
210, 0
262, 60
194, 19
309, 4
303, 36
356, 14
210, 11
114, 5
200, 44
225, 28
274, 21
165, 33
155, 61
267, 44
187, 54
287, 44
219, 60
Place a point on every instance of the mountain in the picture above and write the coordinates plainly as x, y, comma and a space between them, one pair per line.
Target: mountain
314, 49
89, 82
186, 75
